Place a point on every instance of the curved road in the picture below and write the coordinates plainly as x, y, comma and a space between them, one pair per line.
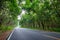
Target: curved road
29, 34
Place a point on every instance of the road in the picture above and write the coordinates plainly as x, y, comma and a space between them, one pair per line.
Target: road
29, 34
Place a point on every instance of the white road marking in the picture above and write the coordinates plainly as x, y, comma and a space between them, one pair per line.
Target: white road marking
10, 35
42, 35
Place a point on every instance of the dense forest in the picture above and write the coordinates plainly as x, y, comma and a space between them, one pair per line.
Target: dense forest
39, 14
9, 10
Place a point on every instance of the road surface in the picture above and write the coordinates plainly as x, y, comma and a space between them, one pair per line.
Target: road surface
29, 34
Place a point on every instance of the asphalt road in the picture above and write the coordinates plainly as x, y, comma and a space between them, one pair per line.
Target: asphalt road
29, 34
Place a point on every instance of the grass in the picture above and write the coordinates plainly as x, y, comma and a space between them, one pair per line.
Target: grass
55, 29
6, 28
50, 29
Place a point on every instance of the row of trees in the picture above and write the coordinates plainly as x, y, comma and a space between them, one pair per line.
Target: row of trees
9, 10
44, 14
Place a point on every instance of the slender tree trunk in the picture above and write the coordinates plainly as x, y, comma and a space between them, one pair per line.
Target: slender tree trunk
42, 25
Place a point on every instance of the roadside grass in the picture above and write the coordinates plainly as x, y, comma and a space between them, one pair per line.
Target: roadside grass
55, 29
5, 28
50, 29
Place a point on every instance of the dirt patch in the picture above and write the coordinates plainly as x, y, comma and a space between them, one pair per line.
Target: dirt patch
4, 35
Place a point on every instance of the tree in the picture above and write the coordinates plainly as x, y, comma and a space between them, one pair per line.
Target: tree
46, 13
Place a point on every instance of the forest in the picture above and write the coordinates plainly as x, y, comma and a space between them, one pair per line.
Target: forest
39, 14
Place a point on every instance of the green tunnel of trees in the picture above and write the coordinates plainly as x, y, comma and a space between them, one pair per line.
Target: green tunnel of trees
40, 14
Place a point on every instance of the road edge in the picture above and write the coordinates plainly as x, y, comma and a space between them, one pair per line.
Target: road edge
8, 37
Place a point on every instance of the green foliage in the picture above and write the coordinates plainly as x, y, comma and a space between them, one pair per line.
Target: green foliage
43, 14
9, 10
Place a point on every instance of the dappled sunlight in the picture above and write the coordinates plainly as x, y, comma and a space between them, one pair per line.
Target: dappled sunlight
19, 17
22, 13
23, 2
17, 27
